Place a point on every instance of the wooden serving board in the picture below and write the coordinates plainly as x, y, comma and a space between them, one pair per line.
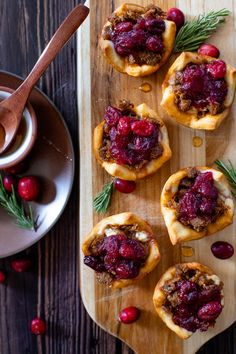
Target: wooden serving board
98, 86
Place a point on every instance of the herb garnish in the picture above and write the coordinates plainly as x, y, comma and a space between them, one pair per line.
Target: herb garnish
195, 32
229, 172
102, 201
9, 202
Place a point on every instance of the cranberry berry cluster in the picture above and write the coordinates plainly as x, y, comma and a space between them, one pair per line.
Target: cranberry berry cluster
128, 139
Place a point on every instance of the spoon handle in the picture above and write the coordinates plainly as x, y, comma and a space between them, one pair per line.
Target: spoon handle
59, 39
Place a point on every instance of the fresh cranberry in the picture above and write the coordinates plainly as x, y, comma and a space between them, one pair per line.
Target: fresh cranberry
94, 263
154, 25
132, 249
9, 181
124, 186
188, 292
123, 126
112, 115
222, 250
142, 127
129, 315
126, 269
21, 265
17, 169
209, 311
38, 326
176, 15
124, 27
209, 49
29, 188
155, 44
2, 276
217, 69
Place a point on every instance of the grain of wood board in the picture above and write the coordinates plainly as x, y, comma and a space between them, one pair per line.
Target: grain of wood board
104, 86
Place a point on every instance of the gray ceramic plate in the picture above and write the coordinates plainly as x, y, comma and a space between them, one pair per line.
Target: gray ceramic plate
52, 159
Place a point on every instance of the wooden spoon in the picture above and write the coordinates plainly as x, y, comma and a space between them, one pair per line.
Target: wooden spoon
11, 109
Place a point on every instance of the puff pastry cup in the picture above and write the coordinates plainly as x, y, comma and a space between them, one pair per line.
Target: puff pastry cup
152, 60
191, 287
223, 216
212, 117
145, 168
138, 233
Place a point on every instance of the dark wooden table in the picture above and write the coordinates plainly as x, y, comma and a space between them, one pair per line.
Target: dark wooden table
51, 288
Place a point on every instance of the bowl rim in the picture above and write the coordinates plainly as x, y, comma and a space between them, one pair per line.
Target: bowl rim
32, 114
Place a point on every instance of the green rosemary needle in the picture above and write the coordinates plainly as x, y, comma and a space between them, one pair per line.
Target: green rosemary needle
197, 31
10, 203
229, 172
102, 201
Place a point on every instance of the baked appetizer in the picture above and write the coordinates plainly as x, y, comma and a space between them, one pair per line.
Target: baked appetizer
131, 142
198, 90
121, 249
189, 297
196, 202
137, 40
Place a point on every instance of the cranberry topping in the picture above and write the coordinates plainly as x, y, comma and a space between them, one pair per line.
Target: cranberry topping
176, 15
198, 203
209, 49
222, 250
195, 301
124, 186
127, 139
132, 35
129, 315
202, 87
119, 255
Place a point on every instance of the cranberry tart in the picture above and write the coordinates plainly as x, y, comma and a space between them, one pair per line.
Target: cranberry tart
189, 297
121, 249
196, 202
131, 142
137, 40
198, 90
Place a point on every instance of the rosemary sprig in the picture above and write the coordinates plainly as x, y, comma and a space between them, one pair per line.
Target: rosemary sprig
229, 172
16, 209
197, 31
102, 201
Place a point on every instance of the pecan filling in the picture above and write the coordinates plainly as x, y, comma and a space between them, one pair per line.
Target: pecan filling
128, 139
202, 88
118, 254
194, 298
197, 201
137, 35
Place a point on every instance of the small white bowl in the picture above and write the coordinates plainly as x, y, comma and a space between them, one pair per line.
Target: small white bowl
25, 136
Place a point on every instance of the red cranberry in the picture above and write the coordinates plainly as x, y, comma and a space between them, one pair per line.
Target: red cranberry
154, 44
8, 182
2, 276
188, 292
132, 249
191, 323
124, 27
124, 186
222, 250
126, 269
141, 24
17, 169
112, 116
38, 326
193, 79
154, 25
95, 263
123, 126
209, 311
129, 315
21, 265
142, 127
176, 15
217, 69
209, 49
29, 188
